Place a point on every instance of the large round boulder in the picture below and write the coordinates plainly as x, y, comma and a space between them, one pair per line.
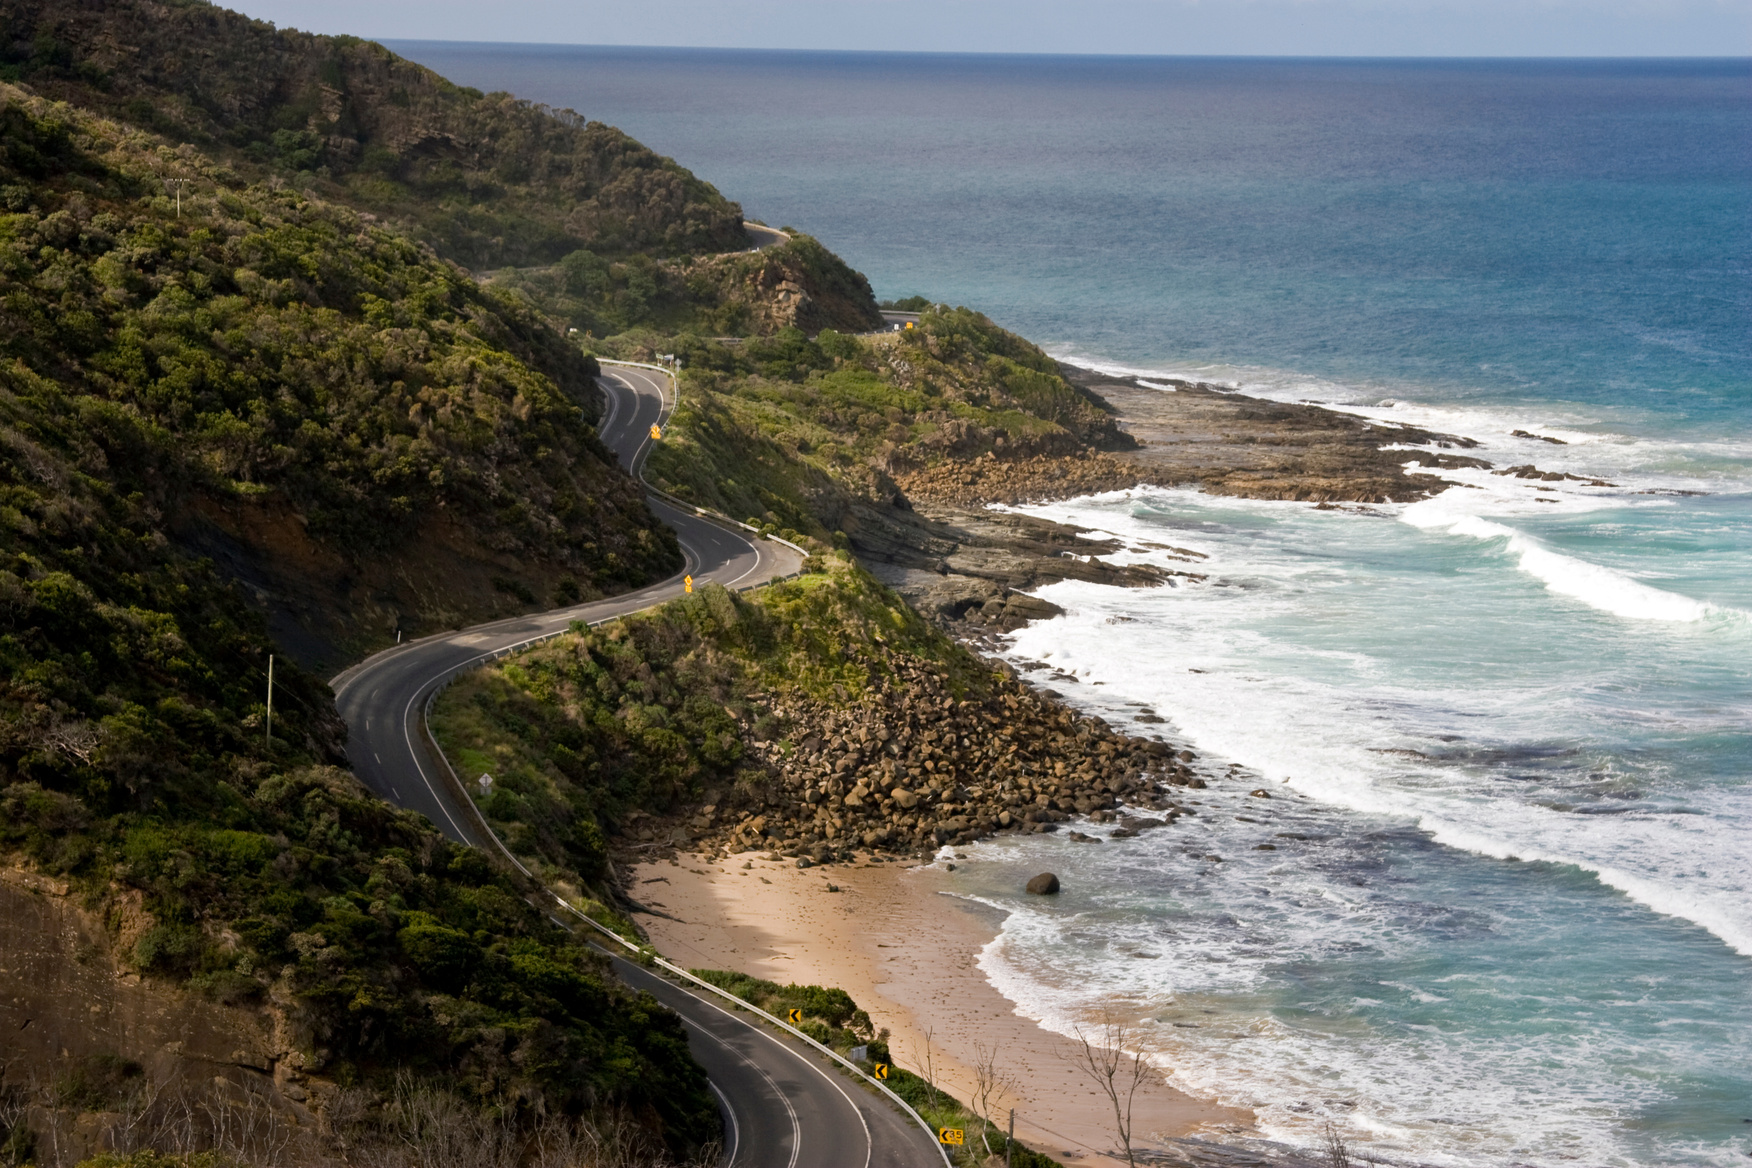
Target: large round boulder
1045, 884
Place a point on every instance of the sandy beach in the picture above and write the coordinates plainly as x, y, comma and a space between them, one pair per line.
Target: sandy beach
907, 955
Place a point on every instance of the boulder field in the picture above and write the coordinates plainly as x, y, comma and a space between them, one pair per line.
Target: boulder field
914, 767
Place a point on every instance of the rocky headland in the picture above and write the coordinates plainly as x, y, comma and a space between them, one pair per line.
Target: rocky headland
970, 566
917, 764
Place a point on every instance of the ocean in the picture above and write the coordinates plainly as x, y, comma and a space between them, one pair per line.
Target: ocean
1493, 903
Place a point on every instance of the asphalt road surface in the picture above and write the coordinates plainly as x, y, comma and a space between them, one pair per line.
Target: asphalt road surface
784, 1104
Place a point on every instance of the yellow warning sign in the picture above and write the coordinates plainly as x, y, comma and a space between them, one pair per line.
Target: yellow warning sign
880, 1071
656, 432
909, 324
952, 1135
796, 1016
687, 586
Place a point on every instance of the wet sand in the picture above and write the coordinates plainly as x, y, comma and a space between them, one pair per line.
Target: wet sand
906, 955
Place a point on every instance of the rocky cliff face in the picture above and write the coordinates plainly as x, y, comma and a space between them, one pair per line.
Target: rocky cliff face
797, 285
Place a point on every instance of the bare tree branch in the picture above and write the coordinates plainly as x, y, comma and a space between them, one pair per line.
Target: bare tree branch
1103, 1058
991, 1081
927, 1063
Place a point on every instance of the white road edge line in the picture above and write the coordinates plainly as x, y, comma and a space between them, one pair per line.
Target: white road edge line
407, 736
796, 1124
432, 690
869, 1143
735, 1128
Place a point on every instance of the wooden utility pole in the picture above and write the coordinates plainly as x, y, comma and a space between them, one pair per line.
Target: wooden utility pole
1011, 1142
177, 185
270, 697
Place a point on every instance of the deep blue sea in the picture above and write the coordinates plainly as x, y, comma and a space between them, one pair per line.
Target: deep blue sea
1497, 908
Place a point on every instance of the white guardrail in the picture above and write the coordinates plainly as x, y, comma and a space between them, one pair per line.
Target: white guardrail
460, 789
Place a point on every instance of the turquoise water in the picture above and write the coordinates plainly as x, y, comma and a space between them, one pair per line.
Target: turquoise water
1514, 722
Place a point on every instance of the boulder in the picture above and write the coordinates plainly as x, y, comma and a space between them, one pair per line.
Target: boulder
904, 798
1045, 884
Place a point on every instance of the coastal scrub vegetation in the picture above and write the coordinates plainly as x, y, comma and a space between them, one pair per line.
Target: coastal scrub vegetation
486, 179
134, 763
266, 346
830, 1016
640, 299
807, 431
598, 732
261, 359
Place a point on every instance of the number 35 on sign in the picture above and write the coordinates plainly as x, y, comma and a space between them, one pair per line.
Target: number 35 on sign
951, 1135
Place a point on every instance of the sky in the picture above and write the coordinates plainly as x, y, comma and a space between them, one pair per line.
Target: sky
1442, 28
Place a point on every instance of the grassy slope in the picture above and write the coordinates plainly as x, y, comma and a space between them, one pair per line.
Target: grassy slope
487, 179
800, 432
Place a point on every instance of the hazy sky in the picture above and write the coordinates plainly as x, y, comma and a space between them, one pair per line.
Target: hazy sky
1313, 27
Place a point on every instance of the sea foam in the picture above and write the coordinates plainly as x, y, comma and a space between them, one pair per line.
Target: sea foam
1596, 586
1421, 695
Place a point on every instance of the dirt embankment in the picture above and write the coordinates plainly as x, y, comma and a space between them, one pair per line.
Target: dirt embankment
96, 1058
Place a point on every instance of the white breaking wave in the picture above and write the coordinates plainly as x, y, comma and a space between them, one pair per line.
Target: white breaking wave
1080, 643
1711, 908
1593, 585
1341, 660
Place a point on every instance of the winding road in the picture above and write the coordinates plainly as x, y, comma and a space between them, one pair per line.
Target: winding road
784, 1104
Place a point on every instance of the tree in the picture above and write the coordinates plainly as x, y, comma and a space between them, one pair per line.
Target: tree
1103, 1057
990, 1081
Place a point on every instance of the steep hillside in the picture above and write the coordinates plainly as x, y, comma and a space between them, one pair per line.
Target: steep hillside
266, 362
486, 179
797, 284
326, 410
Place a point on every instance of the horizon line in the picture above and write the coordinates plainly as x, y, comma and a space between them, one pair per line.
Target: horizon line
1723, 58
